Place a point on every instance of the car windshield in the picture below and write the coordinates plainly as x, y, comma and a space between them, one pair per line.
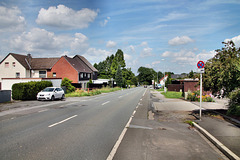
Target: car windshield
48, 89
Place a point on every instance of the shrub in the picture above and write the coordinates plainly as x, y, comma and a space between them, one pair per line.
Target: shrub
234, 103
29, 90
67, 83
195, 96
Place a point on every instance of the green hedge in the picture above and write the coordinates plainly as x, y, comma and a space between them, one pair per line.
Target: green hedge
29, 90
234, 103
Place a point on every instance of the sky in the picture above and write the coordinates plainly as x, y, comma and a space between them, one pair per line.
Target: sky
166, 35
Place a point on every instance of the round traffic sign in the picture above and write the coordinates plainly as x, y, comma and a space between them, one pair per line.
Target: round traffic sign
200, 64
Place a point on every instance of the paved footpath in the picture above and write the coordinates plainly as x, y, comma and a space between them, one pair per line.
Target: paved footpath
165, 137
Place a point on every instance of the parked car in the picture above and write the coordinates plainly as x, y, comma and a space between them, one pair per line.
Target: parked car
51, 93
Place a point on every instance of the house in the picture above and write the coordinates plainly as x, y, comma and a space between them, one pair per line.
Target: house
163, 80
24, 67
77, 69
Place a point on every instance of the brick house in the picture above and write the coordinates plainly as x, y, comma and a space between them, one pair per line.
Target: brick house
77, 69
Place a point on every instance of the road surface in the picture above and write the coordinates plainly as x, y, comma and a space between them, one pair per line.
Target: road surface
83, 129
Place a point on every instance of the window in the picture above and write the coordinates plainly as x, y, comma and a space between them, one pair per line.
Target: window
6, 64
42, 74
17, 75
54, 74
81, 75
89, 75
13, 64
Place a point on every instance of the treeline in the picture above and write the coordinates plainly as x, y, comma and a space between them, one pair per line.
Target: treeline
114, 67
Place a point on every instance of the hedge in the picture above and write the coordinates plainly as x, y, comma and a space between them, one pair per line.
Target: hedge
29, 90
234, 103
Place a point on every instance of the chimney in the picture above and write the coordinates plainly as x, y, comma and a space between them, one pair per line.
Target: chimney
29, 59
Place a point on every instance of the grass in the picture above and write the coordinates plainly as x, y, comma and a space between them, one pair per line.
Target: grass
161, 89
81, 93
172, 94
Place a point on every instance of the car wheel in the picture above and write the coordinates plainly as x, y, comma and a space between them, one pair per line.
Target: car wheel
63, 96
52, 98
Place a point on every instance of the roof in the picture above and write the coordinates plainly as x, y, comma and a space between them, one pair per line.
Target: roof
20, 58
43, 63
78, 65
86, 62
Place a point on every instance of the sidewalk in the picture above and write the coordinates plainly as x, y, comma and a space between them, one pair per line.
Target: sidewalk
166, 137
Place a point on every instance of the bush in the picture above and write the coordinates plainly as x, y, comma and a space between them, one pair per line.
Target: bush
195, 96
29, 90
234, 103
67, 83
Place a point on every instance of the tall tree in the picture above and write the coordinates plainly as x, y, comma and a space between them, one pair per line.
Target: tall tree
223, 70
146, 75
119, 77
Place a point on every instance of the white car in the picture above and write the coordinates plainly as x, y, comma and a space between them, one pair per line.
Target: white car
51, 93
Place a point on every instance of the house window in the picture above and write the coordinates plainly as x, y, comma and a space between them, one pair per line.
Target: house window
6, 64
89, 75
54, 74
42, 74
81, 75
13, 64
17, 75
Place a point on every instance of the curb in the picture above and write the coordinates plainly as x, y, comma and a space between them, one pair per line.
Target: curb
217, 143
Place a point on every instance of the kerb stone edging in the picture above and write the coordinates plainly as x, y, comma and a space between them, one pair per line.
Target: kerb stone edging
217, 143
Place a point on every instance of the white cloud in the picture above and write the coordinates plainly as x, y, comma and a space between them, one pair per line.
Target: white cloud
104, 23
236, 40
80, 43
66, 18
156, 62
188, 57
180, 40
42, 42
143, 44
146, 52
127, 57
96, 55
111, 44
11, 19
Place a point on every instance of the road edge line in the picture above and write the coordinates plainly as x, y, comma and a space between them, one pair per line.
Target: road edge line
120, 138
217, 143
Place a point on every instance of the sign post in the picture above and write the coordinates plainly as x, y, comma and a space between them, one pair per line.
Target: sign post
200, 66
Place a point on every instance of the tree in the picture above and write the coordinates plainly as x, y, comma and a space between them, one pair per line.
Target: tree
223, 70
191, 74
119, 77
67, 83
146, 75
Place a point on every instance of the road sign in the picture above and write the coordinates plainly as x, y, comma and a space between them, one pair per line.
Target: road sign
200, 70
200, 64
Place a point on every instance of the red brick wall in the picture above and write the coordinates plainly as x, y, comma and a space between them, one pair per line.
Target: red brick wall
63, 69
192, 86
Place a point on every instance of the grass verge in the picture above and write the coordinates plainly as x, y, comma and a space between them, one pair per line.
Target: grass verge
81, 93
172, 94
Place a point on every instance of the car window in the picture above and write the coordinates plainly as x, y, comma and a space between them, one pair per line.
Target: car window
48, 89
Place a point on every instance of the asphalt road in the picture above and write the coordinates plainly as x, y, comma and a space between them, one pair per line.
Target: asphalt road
84, 129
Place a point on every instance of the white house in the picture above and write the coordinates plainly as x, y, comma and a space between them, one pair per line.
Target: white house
24, 66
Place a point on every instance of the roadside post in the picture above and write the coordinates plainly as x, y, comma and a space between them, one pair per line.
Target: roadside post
200, 66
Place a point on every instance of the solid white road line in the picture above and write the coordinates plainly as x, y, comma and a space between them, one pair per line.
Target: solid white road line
62, 121
105, 103
117, 144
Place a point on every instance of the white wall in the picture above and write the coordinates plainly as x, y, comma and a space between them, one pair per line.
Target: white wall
11, 71
7, 83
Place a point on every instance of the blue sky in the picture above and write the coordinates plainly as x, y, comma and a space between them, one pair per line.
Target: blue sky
166, 35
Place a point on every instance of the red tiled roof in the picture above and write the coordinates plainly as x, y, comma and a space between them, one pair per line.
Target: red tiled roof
80, 67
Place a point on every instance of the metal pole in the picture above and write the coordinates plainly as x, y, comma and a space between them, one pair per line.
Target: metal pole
200, 112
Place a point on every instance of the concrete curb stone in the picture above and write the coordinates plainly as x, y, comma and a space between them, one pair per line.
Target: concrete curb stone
217, 143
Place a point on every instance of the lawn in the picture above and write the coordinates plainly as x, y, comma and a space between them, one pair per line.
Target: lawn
172, 94
81, 93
